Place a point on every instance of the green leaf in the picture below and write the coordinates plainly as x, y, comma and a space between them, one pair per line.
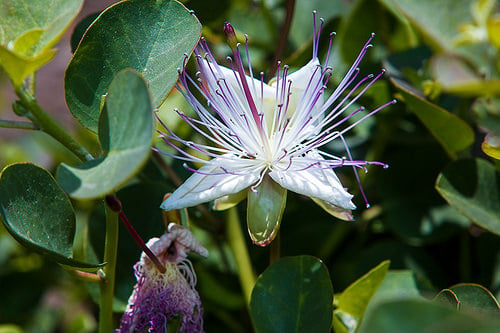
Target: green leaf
37, 212
397, 285
265, 209
352, 302
453, 133
456, 77
10, 328
412, 316
150, 36
126, 135
437, 21
294, 294
469, 297
472, 186
491, 145
28, 30
19, 67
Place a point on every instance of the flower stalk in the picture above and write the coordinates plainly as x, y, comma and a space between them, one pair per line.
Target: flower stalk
238, 246
107, 287
115, 205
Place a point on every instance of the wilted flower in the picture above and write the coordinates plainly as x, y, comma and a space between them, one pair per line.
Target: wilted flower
160, 297
266, 137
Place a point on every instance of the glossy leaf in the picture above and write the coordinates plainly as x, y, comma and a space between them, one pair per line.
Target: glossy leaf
453, 133
126, 135
472, 187
264, 211
469, 297
412, 316
293, 295
150, 36
28, 30
37, 212
352, 302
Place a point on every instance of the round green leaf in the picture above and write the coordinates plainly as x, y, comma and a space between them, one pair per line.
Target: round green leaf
472, 187
28, 30
150, 36
126, 135
452, 132
294, 294
37, 212
474, 297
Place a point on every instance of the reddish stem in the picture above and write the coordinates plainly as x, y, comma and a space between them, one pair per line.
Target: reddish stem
114, 203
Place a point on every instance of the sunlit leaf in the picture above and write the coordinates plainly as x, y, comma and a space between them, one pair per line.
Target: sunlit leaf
491, 145
453, 133
153, 42
126, 135
472, 187
455, 77
396, 286
437, 21
352, 302
293, 295
37, 212
28, 30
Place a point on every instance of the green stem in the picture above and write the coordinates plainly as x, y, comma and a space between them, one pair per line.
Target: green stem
50, 126
108, 286
238, 246
18, 124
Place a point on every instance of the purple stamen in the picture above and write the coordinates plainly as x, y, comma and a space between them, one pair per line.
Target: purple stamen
231, 36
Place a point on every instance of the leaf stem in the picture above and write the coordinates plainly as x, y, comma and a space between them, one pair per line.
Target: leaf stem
107, 288
18, 124
86, 276
49, 125
238, 246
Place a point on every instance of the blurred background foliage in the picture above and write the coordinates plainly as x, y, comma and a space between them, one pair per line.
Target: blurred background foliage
435, 213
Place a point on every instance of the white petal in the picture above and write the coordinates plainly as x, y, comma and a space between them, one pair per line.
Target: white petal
310, 72
200, 188
232, 78
306, 83
313, 182
338, 212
